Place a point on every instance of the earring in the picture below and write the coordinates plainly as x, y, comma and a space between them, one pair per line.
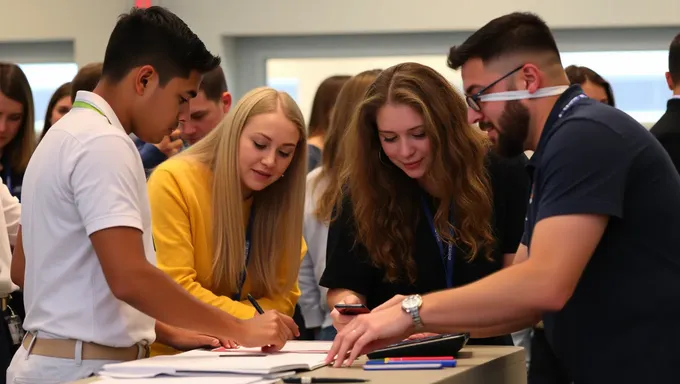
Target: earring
283, 174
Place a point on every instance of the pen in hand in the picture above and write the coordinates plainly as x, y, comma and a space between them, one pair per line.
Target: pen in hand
255, 304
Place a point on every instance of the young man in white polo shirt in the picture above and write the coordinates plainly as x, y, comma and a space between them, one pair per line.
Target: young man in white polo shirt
85, 256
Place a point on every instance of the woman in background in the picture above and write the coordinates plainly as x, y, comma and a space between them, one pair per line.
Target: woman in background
59, 105
594, 86
428, 206
11, 296
319, 204
226, 211
324, 100
17, 131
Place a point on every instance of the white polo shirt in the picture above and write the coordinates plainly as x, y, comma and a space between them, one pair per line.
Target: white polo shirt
9, 226
86, 175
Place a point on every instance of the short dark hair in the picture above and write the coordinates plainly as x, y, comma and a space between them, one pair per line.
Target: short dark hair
157, 37
674, 59
580, 75
86, 79
518, 32
214, 84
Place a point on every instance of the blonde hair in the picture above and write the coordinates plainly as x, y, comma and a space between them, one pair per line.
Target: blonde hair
277, 222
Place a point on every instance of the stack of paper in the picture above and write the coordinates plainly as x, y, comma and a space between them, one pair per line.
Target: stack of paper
240, 364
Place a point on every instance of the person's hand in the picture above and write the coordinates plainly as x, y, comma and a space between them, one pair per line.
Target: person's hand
186, 340
417, 336
271, 331
170, 145
396, 300
369, 332
340, 320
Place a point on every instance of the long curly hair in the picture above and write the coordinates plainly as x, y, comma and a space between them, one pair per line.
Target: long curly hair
386, 202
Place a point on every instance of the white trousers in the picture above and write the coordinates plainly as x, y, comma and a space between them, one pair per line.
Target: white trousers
36, 369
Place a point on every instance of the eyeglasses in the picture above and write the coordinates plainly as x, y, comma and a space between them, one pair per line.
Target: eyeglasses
473, 100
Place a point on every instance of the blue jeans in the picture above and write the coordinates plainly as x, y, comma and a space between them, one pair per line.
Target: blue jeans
327, 334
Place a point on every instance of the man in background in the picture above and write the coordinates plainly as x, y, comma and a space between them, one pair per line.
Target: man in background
206, 110
667, 129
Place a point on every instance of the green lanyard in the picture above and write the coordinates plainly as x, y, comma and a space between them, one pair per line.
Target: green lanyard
82, 104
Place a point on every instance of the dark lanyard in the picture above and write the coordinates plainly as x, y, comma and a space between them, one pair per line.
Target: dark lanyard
249, 230
447, 258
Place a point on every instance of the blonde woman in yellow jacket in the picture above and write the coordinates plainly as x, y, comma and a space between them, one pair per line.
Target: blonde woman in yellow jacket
227, 212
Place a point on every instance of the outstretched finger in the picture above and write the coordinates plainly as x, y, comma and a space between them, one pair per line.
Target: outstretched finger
360, 345
335, 347
348, 345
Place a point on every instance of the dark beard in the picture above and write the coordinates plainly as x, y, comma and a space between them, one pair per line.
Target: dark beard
513, 129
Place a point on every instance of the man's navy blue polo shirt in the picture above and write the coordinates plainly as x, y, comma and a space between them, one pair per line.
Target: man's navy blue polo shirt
622, 324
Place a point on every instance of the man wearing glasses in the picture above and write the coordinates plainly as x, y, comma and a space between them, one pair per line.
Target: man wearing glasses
600, 258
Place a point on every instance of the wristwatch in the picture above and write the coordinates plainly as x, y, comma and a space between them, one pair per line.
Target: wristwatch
411, 305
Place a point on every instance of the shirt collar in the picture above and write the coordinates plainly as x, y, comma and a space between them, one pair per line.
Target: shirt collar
98, 102
560, 104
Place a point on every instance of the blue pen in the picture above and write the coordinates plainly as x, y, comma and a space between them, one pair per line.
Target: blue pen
444, 363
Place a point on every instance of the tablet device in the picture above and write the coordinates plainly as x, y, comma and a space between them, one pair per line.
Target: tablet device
438, 345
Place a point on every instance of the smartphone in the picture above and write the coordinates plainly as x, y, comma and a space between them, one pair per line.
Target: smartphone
352, 309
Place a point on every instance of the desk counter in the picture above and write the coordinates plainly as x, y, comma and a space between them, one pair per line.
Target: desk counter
476, 365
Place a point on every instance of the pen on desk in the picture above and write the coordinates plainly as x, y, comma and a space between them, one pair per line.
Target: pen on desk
320, 380
255, 304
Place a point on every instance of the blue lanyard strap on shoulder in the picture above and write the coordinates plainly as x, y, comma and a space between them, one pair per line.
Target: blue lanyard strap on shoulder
447, 258
249, 230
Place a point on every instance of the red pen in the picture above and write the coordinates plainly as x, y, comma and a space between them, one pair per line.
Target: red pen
394, 359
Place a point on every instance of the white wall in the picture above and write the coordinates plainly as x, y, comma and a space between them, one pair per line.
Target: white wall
273, 17
309, 73
86, 23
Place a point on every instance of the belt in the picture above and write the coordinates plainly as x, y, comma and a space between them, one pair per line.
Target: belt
66, 349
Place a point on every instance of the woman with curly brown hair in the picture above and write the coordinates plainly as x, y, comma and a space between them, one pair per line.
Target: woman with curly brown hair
426, 205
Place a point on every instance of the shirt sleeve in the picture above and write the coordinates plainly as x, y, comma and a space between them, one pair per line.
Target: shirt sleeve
348, 265
174, 247
310, 297
12, 211
584, 169
105, 185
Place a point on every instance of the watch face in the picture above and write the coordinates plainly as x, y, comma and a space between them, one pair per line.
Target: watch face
412, 302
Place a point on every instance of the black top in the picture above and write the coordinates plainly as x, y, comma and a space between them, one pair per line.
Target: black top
12, 179
667, 131
348, 266
313, 157
622, 323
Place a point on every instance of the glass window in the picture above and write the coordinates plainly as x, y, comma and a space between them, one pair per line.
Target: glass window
45, 78
300, 77
637, 79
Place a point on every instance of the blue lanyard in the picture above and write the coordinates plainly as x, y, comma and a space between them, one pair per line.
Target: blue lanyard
249, 228
447, 258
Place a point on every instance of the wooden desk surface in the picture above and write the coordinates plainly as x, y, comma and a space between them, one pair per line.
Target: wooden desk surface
476, 365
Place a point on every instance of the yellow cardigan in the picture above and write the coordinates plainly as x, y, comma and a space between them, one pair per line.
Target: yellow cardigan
180, 193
